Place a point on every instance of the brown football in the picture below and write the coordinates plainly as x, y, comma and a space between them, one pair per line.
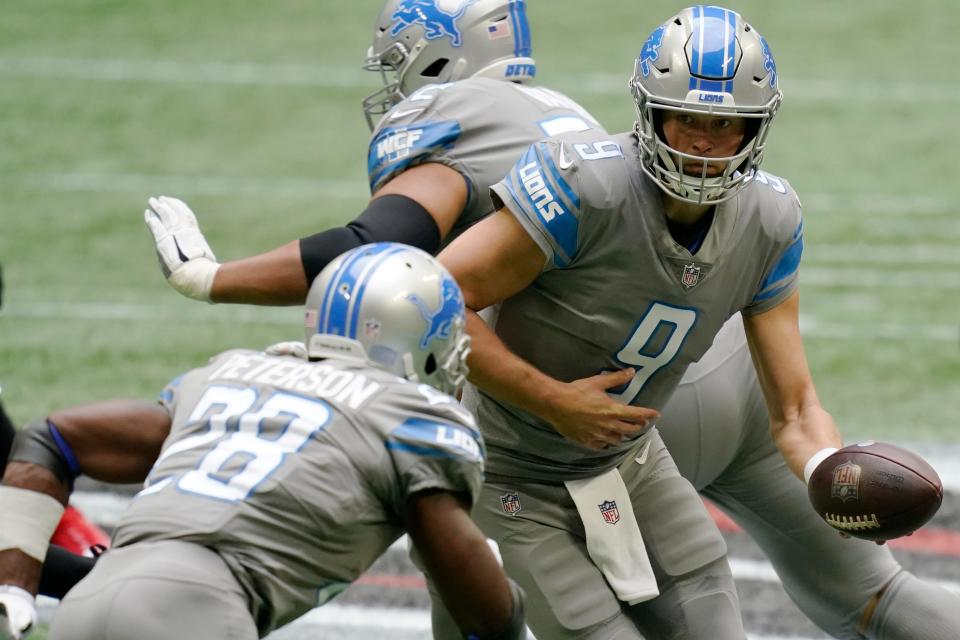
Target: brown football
875, 491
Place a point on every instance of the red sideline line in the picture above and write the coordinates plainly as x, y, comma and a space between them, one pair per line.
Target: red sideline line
929, 540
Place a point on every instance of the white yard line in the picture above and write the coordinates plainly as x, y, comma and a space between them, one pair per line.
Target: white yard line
350, 76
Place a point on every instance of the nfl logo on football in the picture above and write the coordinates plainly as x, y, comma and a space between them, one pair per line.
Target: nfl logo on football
510, 503
609, 511
846, 482
691, 275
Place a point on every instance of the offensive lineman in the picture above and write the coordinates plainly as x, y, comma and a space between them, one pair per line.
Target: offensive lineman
283, 480
858, 571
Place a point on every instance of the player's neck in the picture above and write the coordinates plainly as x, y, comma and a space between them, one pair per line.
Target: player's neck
684, 213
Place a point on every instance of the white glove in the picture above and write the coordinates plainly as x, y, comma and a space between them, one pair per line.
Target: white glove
292, 348
18, 612
187, 261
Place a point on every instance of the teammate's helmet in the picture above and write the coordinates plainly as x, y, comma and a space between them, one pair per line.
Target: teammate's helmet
394, 306
421, 42
704, 60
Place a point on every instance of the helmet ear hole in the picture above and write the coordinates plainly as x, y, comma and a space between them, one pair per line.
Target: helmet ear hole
430, 365
436, 68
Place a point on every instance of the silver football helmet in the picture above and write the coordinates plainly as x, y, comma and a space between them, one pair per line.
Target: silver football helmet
421, 42
395, 307
707, 61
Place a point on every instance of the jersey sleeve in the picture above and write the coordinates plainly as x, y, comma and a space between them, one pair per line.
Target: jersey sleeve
542, 191
432, 443
415, 131
781, 277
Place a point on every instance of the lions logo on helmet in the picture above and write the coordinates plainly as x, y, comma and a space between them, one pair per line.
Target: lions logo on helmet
435, 21
395, 307
421, 42
709, 62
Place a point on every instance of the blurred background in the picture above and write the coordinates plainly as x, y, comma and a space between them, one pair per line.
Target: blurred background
249, 111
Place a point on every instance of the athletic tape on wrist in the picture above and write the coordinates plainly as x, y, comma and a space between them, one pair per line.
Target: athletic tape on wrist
815, 461
194, 278
29, 519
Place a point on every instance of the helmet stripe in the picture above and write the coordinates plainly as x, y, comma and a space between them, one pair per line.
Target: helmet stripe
519, 10
361, 285
341, 290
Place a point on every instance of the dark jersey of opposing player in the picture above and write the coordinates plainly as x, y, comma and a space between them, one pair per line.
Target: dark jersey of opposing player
618, 291
478, 127
297, 473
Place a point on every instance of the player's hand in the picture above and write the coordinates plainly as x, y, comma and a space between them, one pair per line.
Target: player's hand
584, 413
187, 261
18, 612
293, 348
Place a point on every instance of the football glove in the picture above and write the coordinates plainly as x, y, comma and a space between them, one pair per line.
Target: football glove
292, 348
187, 261
18, 612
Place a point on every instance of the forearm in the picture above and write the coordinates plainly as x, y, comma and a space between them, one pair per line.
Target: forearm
29, 521
803, 434
272, 278
503, 374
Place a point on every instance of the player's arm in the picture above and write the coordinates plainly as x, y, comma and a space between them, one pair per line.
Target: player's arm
492, 261
484, 603
801, 427
417, 207
115, 441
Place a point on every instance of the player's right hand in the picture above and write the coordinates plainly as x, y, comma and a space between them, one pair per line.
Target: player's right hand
584, 412
18, 612
186, 259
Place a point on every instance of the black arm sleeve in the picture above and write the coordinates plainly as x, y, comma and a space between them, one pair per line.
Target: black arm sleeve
62, 570
389, 218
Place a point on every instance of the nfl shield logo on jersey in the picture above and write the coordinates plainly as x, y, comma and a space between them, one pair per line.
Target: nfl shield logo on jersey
510, 503
846, 482
609, 511
690, 276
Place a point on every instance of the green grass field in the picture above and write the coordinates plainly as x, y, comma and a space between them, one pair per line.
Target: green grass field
250, 111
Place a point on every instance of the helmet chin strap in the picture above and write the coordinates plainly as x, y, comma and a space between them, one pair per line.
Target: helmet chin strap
409, 371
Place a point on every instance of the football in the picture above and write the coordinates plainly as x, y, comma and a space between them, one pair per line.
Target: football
875, 491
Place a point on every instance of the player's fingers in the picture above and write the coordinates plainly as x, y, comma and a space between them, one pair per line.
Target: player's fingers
636, 415
619, 378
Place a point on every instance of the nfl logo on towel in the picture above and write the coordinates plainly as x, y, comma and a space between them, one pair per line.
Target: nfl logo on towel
499, 30
511, 503
609, 510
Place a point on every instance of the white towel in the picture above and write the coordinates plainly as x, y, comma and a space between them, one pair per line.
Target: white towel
613, 537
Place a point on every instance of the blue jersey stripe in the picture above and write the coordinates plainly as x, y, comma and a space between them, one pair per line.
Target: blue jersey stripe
432, 438
787, 265
561, 224
394, 149
557, 178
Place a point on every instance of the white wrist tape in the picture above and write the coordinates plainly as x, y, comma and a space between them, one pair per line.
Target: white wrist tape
194, 278
29, 519
815, 461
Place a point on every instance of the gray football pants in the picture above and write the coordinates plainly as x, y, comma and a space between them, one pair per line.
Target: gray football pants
543, 549
156, 591
716, 426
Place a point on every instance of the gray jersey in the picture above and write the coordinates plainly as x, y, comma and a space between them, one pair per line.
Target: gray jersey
478, 127
297, 473
616, 289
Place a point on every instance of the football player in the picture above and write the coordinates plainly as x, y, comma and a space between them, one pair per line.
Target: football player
282, 479
449, 178
626, 254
